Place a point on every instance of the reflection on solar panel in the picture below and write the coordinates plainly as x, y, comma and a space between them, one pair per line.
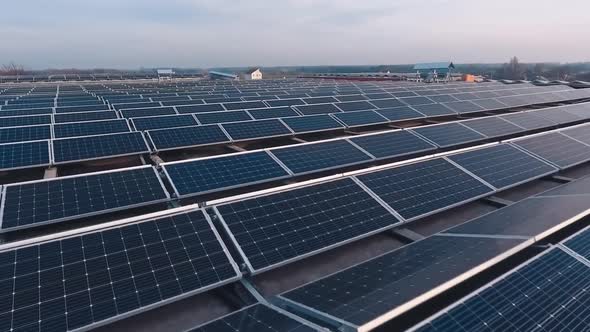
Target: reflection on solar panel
392, 144
84, 116
274, 229
161, 122
196, 177
557, 115
256, 129
432, 110
307, 158
75, 282
312, 123
400, 113
581, 133
492, 126
175, 138
371, 293
244, 105
89, 128
355, 106
449, 134
464, 107
556, 148
317, 109
423, 188
24, 134
16, 121
528, 120
272, 112
40, 202
97, 147
144, 112
360, 118
489, 104
503, 165
547, 293
413, 101
220, 117
24, 155
200, 108
387, 103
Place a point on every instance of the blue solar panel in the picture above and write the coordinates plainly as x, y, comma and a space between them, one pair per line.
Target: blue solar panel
414, 101
528, 120
98, 147
556, 148
314, 157
89, 128
449, 134
355, 106
24, 155
312, 123
221, 117
24, 134
35, 111
161, 122
244, 105
175, 138
85, 116
393, 144
200, 108
143, 112
274, 229
346, 98
320, 100
196, 177
489, 104
387, 103
493, 126
272, 112
35, 203
423, 188
433, 110
256, 129
360, 118
285, 102
87, 280
81, 108
400, 113
464, 107
317, 109
16, 121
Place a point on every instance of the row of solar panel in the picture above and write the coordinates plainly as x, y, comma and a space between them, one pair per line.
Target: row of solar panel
398, 281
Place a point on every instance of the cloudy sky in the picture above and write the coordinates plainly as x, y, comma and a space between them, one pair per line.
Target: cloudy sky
208, 33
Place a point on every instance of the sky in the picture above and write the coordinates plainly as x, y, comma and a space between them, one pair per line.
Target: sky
129, 34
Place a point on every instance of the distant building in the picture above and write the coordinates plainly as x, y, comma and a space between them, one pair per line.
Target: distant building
434, 71
252, 74
165, 74
217, 75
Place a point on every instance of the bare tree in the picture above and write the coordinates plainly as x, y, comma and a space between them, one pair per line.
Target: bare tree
514, 70
12, 69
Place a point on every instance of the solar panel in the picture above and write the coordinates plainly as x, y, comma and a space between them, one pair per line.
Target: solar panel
378, 95
400, 113
317, 109
360, 118
24, 134
423, 188
387, 103
82, 281
414, 101
400, 94
528, 120
312, 123
577, 187
144, 112
547, 293
369, 294
448, 134
489, 104
393, 144
24, 155
320, 100
256, 318
161, 122
34, 111
355, 106
68, 150
275, 229
558, 115
442, 98
581, 133
285, 102
272, 112
246, 130
350, 98
75, 129
35, 203
201, 176
182, 102
184, 137
200, 108
306, 158
503, 166
556, 148
493, 126
464, 107
221, 117
432, 110
244, 105
84, 116
16, 121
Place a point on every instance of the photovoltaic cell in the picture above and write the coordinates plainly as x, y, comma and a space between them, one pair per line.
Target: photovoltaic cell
449, 134
285, 102
493, 126
312, 123
354, 106
413, 101
175, 138
557, 149
489, 104
144, 112
464, 107
40, 202
318, 109
90, 128
221, 117
528, 120
24, 155
307, 158
360, 118
16, 121
24, 134
423, 188
503, 165
200, 176
161, 122
200, 108
84, 116
392, 144
244, 105
76, 282
281, 227
581, 134
272, 112
256, 129
400, 113
432, 110
98, 147
387, 103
